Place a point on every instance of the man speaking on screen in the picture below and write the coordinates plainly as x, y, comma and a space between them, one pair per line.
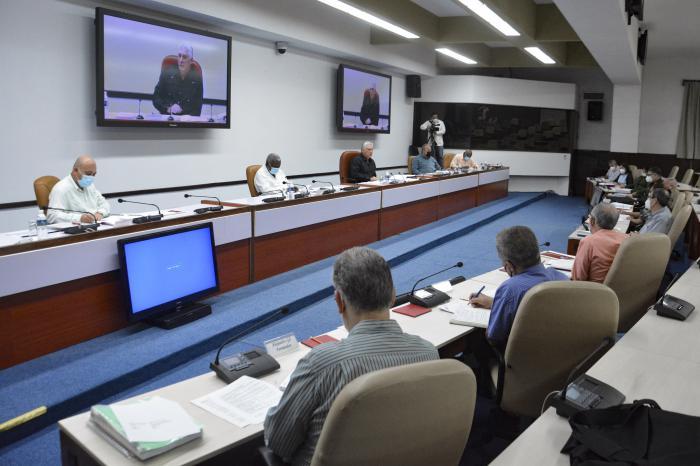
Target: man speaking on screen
179, 90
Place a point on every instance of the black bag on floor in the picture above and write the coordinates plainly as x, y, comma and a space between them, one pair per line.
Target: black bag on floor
640, 433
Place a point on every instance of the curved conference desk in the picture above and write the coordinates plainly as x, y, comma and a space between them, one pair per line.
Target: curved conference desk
64, 290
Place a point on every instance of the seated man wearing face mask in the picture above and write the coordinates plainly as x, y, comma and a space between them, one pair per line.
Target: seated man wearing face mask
270, 176
77, 192
656, 217
625, 179
464, 160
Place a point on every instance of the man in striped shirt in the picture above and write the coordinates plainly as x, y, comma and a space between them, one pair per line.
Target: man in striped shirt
364, 292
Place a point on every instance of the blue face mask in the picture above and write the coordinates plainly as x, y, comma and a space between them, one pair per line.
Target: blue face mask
274, 170
86, 181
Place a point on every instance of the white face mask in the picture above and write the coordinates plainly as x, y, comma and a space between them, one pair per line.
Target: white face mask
647, 204
648, 179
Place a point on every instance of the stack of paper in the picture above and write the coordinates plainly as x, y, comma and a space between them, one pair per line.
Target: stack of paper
243, 402
145, 428
561, 264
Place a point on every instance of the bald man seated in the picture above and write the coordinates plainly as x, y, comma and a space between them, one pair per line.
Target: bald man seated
270, 176
77, 192
596, 253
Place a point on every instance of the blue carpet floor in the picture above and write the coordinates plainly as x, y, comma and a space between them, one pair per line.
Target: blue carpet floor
468, 237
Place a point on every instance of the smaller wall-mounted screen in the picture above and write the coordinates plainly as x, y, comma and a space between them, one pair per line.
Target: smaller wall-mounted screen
499, 127
364, 101
151, 73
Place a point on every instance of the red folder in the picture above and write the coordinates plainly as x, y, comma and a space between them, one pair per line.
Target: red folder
315, 341
411, 310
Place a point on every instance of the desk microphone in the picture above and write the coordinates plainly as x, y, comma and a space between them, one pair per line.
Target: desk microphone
326, 191
143, 218
252, 363
78, 228
434, 298
204, 210
300, 194
273, 199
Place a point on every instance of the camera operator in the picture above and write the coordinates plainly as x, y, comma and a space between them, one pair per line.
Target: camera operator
435, 128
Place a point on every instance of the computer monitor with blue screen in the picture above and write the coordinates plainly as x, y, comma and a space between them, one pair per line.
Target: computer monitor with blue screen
165, 273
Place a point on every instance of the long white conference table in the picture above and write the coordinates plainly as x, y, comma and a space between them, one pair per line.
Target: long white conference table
83, 446
659, 358
46, 305
221, 440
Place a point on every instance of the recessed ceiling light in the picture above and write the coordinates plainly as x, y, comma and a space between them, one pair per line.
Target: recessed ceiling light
540, 55
370, 18
456, 56
488, 15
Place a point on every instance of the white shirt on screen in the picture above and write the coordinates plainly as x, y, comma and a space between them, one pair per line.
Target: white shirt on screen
265, 181
66, 194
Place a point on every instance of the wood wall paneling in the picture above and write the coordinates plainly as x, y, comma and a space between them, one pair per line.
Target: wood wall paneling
459, 201
287, 250
492, 191
397, 219
41, 321
585, 163
233, 262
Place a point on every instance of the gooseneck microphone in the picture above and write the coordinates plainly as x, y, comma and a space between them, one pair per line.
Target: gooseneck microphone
301, 185
252, 363
326, 191
143, 218
77, 228
204, 210
458, 264
544, 245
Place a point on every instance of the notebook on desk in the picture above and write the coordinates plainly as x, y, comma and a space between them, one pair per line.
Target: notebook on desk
465, 314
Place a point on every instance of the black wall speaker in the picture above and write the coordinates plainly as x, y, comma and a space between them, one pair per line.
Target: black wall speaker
412, 85
595, 110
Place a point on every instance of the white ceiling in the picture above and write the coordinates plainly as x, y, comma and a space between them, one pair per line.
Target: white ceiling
674, 27
442, 8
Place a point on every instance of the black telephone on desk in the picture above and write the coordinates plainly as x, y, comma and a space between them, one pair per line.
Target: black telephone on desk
670, 306
582, 392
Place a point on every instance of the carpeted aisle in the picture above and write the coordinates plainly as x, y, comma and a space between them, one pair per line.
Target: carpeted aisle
468, 237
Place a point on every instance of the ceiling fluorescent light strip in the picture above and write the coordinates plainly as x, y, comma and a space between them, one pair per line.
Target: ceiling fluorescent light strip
540, 55
456, 56
363, 15
488, 15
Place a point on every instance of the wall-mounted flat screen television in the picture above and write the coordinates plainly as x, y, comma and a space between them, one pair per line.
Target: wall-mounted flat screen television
364, 101
152, 73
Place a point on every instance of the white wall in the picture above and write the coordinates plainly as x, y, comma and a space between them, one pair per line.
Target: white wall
283, 104
662, 100
536, 171
624, 131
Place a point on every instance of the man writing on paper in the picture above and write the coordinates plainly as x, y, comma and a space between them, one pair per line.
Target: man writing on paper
520, 254
270, 176
596, 252
464, 160
362, 168
77, 192
364, 292
424, 163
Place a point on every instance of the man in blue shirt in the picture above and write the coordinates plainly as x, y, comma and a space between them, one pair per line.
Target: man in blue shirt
520, 254
424, 163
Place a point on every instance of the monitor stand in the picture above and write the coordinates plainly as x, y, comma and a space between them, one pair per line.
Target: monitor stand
182, 315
